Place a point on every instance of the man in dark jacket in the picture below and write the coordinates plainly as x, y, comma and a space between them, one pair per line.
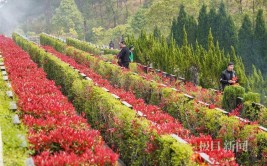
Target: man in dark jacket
123, 56
228, 76
111, 45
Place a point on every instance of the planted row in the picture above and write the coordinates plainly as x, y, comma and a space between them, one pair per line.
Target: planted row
187, 87
245, 105
14, 146
42, 106
249, 108
198, 119
195, 117
250, 111
133, 137
234, 99
165, 124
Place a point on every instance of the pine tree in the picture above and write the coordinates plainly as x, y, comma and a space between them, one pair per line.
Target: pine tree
245, 46
190, 25
256, 80
191, 29
230, 37
157, 33
239, 67
223, 28
212, 19
174, 30
181, 22
203, 29
221, 25
210, 41
185, 38
260, 41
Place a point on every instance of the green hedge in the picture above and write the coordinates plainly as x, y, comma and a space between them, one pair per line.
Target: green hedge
83, 46
110, 51
130, 134
249, 111
13, 153
88, 47
252, 97
57, 44
205, 120
177, 105
230, 95
252, 111
198, 119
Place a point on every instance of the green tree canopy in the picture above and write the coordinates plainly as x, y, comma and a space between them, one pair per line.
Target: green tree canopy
260, 41
203, 28
245, 46
68, 17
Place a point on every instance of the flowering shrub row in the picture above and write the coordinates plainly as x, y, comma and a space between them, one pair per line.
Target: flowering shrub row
57, 135
165, 123
198, 119
133, 137
13, 145
199, 93
187, 87
210, 96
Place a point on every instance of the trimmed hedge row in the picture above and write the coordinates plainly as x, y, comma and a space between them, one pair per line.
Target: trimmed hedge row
249, 111
58, 44
128, 134
194, 117
230, 95
88, 47
110, 51
83, 46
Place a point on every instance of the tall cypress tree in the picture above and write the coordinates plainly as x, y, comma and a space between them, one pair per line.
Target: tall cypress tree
181, 22
185, 38
259, 41
230, 37
223, 28
173, 29
256, 80
221, 21
203, 29
245, 46
190, 25
191, 29
210, 41
221, 25
212, 19
157, 33
239, 67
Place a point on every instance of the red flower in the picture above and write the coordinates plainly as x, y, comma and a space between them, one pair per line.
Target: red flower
212, 106
56, 133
